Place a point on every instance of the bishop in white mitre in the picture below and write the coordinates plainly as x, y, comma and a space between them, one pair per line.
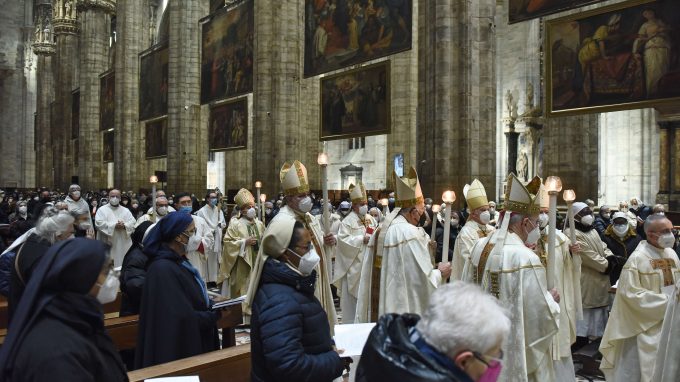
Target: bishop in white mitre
115, 225
504, 265
355, 231
214, 218
476, 227
631, 338
398, 273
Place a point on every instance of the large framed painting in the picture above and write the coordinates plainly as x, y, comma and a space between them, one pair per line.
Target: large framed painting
341, 33
107, 100
153, 83
227, 54
156, 142
75, 114
624, 56
520, 10
215, 5
107, 146
356, 103
229, 125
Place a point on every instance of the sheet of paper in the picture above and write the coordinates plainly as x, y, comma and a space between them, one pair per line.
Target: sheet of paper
352, 338
226, 303
174, 379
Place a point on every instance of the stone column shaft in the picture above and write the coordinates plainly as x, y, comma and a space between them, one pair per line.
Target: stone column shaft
45, 96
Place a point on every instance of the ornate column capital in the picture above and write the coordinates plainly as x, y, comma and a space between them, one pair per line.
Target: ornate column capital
108, 6
43, 36
44, 48
65, 16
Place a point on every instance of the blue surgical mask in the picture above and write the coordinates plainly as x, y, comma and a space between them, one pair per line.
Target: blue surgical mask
186, 209
213, 201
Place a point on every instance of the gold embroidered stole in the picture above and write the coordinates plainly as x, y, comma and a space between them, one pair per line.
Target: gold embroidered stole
666, 266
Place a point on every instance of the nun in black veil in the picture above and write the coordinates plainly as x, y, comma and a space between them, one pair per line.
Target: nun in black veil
175, 316
57, 333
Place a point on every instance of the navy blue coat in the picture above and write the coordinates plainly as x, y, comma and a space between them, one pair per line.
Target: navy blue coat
290, 336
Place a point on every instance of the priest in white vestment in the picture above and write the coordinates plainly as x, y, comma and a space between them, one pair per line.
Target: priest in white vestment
595, 267
156, 215
567, 268
476, 227
355, 231
295, 185
398, 273
161, 194
632, 336
504, 266
202, 238
241, 243
214, 218
115, 224
667, 367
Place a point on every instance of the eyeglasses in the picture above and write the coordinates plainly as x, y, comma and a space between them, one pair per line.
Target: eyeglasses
492, 361
189, 233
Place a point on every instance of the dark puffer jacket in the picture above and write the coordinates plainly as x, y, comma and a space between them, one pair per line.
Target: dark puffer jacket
621, 248
290, 337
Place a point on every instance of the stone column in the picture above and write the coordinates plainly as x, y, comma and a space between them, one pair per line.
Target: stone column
669, 162
44, 48
456, 129
187, 156
511, 140
95, 25
66, 32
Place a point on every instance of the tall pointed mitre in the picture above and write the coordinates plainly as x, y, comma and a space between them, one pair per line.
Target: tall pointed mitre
408, 192
244, 197
358, 193
475, 195
294, 179
545, 198
525, 200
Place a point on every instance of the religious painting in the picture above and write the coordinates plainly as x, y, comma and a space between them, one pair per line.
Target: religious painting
356, 103
229, 126
156, 142
520, 10
620, 57
399, 164
215, 5
76, 152
107, 101
342, 33
108, 146
153, 83
75, 114
227, 55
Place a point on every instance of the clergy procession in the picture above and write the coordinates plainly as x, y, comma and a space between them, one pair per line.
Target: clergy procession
514, 297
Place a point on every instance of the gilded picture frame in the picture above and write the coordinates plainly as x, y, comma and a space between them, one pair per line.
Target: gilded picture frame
607, 59
522, 10
356, 103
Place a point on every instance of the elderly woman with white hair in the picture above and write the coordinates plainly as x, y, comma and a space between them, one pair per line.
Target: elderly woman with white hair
53, 226
459, 338
82, 223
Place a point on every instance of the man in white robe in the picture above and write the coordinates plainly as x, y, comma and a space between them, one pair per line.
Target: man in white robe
667, 367
241, 243
157, 215
504, 266
355, 231
295, 184
632, 336
214, 218
115, 224
398, 273
161, 194
567, 268
202, 238
475, 228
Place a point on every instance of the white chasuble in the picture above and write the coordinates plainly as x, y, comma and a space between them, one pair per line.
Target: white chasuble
214, 218
468, 236
118, 238
204, 235
238, 259
667, 367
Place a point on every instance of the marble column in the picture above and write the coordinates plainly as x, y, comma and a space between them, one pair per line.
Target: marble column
66, 32
95, 17
44, 48
457, 110
187, 156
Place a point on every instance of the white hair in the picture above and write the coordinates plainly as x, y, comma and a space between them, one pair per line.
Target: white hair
461, 316
53, 223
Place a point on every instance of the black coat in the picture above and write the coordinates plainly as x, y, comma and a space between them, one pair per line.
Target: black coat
390, 355
28, 257
132, 276
440, 242
290, 336
174, 320
621, 249
66, 345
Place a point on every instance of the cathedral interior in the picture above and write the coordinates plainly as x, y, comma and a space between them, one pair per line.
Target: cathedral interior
205, 94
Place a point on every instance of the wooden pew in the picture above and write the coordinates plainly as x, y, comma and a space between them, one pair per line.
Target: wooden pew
231, 364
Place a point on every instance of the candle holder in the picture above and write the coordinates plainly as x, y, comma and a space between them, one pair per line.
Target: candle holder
569, 196
553, 185
448, 197
322, 160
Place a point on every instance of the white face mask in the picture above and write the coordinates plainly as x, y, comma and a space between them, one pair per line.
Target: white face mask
85, 226
533, 236
363, 210
305, 205
114, 201
108, 291
485, 217
23, 210
308, 262
268, 211
75, 195
162, 211
543, 220
620, 230
587, 220
251, 213
454, 222
666, 240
